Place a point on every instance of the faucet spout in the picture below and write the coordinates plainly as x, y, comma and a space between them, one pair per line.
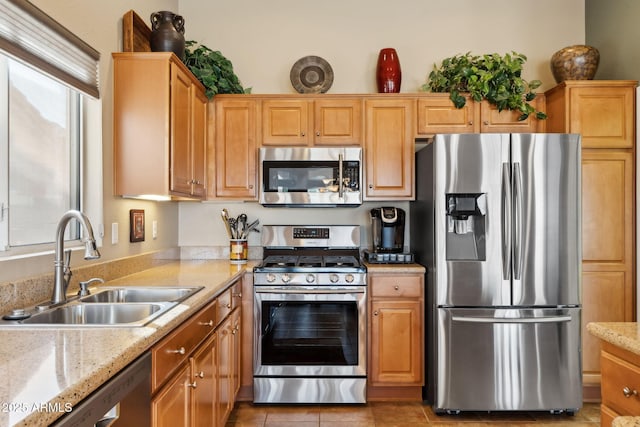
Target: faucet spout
61, 282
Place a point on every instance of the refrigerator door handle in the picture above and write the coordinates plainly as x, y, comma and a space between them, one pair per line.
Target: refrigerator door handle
517, 219
506, 222
548, 319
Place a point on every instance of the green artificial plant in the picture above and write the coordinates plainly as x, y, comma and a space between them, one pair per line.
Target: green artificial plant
492, 77
213, 70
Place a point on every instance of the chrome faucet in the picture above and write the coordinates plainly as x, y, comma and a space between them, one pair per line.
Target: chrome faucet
62, 270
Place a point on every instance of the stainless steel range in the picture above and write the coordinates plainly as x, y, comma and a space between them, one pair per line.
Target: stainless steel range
310, 316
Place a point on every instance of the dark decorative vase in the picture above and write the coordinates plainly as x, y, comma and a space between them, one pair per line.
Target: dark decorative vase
167, 33
388, 73
578, 62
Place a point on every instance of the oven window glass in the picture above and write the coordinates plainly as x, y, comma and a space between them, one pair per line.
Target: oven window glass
309, 333
300, 176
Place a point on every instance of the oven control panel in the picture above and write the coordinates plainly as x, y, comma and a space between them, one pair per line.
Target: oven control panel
310, 233
316, 279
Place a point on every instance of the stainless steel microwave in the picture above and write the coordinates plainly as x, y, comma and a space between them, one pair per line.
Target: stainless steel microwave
310, 176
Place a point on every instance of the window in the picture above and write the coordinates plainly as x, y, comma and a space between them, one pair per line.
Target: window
50, 129
43, 146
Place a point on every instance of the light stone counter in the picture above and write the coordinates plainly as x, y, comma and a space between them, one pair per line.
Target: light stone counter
625, 335
395, 268
47, 370
626, 422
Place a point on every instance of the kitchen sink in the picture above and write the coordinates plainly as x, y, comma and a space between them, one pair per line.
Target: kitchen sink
140, 294
125, 314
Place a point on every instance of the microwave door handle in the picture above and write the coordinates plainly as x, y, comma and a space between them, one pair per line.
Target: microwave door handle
340, 188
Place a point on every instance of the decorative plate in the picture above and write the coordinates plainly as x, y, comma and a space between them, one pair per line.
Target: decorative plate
311, 74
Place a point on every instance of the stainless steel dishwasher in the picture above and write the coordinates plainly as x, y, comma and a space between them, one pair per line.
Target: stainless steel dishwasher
123, 401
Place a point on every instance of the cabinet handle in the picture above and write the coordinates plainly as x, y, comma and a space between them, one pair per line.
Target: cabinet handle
238, 295
250, 186
629, 392
396, 287
375, 313
485, 123
470, 123
181, 350
318, 133
193, 384
209, 323
370, 185
233, 331
228, 305
303, 134
200, 374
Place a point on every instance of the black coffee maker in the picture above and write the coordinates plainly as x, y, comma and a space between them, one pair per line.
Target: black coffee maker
387, 228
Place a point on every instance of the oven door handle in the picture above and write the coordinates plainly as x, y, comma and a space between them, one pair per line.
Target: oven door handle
308, 291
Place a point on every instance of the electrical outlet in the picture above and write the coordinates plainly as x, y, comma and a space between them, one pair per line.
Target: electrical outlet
114, 233
154, 229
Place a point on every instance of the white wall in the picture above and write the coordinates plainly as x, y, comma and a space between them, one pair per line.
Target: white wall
263, 39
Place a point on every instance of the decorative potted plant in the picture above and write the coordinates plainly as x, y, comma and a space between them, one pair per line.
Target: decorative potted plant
492, 77
212, 69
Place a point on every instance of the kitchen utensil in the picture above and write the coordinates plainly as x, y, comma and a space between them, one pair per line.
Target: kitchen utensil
251, 227
233, 225
225, 219
242, 225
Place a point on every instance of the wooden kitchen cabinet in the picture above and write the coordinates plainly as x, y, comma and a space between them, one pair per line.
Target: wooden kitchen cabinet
389, 149
620, 383
603, 112
233, 149
311, 122
396, 334
194, 380
437, 114
160, 123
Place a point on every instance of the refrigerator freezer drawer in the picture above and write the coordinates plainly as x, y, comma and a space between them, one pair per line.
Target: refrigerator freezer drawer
508, 359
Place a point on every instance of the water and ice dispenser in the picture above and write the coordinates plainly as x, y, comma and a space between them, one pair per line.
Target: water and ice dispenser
466, 226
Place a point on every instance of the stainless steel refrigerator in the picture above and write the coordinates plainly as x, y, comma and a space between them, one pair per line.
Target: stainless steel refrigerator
497, 224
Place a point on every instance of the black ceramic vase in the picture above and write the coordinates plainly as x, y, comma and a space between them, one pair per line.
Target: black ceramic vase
167, 33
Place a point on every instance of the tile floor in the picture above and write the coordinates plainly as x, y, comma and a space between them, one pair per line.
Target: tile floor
397, 414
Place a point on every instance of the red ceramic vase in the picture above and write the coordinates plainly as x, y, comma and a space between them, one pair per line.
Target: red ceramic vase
388, 73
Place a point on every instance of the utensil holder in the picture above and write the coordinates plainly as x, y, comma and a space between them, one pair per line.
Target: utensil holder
238, 251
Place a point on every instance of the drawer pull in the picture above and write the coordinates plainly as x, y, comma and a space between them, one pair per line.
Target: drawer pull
209, 323
375, 313
181, 350
628, 392
200, 374
238, 295
193, 384
229, 305
396, 287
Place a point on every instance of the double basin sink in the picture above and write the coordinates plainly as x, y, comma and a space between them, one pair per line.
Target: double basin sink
108, 307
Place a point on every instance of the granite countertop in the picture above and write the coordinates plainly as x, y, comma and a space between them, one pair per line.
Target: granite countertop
48, 370
626, 422
625, 335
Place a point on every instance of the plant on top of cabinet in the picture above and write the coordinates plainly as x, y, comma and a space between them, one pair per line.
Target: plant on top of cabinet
213, 70
492, 77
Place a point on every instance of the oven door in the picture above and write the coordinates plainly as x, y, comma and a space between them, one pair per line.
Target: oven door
310, 176
310, 331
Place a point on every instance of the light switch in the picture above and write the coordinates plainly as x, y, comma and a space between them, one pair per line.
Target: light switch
154, 229
114, 233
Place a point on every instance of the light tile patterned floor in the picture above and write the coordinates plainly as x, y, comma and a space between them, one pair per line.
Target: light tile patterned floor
397, 414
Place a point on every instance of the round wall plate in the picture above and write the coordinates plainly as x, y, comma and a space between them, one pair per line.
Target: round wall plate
311, 74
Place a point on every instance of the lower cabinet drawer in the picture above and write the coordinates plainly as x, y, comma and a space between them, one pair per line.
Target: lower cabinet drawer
175, 348
620, 384
396, 286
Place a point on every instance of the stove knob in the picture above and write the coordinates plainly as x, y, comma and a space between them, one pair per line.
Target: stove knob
311, 278
286, 278
333, 278
349, 278
271, 277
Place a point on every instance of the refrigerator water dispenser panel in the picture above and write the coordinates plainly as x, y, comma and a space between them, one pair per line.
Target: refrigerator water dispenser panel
466, 225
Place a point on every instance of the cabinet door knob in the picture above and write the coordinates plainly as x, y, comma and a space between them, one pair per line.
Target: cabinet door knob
193, 384
238, 295
375, 313
485, 123
318, 133
181, 350
471, 123
370, 185
200, 374
250, 186
209, 323
303, 134
629, 392
396, 287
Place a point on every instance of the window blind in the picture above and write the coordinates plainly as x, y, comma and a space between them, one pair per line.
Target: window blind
32, 36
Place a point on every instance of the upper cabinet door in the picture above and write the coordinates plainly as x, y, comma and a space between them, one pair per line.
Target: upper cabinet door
437, 114
285, 122
389, 149
507, 121
337, 122
235, 150
199, 142
181, 174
